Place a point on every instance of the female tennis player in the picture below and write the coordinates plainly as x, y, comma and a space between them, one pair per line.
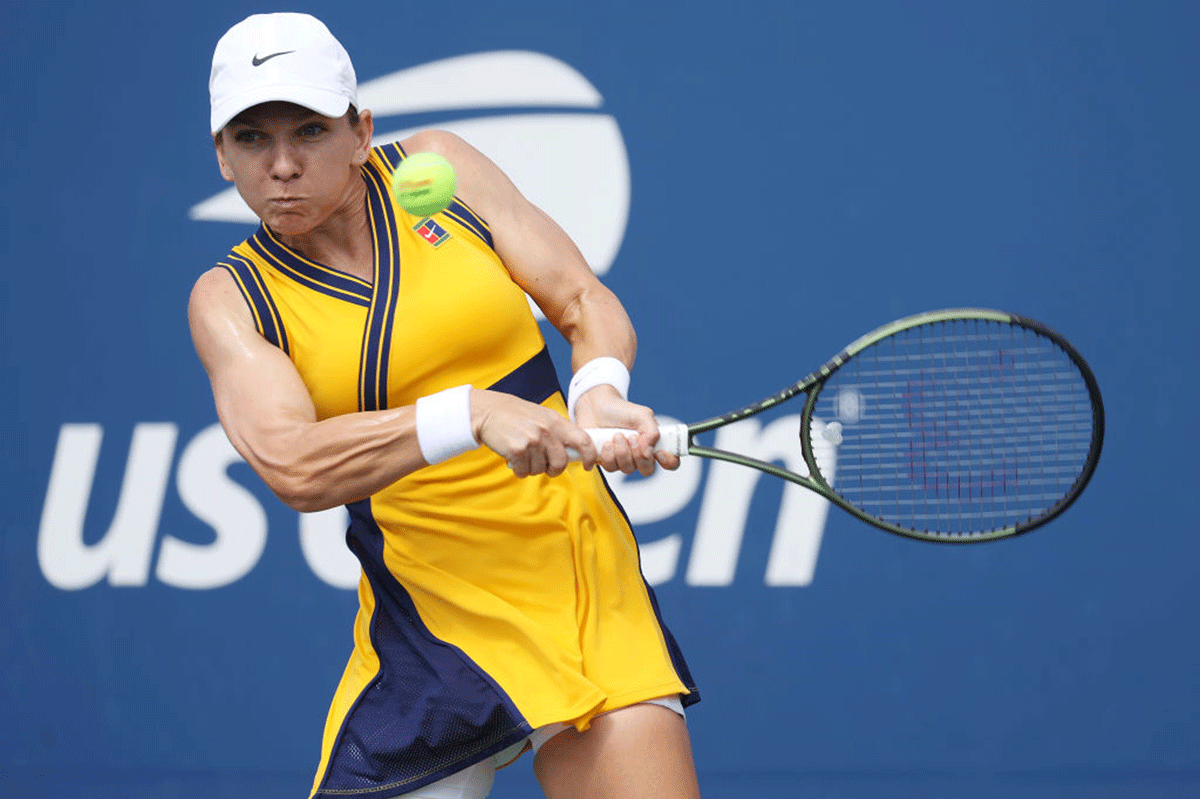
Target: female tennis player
362, 356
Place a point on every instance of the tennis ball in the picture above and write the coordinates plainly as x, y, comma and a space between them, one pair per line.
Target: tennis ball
424, 184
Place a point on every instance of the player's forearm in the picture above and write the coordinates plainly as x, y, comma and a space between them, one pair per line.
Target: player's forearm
319, 465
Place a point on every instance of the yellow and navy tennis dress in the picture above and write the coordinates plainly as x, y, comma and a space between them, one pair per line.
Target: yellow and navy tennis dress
488, 605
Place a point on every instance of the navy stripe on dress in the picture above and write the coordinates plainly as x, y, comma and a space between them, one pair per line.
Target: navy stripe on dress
390, 741
377, 343
533, 381
266, 315
309, 273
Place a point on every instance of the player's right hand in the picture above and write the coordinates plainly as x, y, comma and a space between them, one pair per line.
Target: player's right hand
604, 407
531, 438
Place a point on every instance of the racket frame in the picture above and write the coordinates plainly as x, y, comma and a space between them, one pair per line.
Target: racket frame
811, 384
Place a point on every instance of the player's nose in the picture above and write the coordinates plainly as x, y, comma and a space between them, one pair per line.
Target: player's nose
285, 163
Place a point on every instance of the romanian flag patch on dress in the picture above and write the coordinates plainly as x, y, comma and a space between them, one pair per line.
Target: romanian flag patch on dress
431, 231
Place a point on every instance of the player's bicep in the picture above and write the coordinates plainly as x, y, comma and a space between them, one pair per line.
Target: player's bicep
545, 262
260, 398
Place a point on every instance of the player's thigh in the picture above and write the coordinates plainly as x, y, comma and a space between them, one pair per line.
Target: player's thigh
638, 752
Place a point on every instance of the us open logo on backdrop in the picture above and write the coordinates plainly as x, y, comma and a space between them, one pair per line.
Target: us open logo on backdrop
571, 161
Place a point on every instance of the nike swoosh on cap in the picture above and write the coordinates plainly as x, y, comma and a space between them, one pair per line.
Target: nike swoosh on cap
256, 61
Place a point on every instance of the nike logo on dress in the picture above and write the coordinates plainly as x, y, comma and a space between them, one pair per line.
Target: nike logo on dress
256, 61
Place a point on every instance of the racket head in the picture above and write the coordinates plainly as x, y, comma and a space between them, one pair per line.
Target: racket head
957, 426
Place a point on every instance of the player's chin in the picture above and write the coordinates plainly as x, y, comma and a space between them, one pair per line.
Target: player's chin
288, 222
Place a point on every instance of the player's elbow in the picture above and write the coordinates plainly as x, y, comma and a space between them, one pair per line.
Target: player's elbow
304, 496
300, 487
298, 499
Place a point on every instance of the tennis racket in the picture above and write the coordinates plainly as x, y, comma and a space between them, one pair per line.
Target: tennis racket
956, 425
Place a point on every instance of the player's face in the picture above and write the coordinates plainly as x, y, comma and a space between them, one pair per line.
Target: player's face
292, 166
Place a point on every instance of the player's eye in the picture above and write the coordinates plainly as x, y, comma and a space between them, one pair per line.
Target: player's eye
312, 131
248, 136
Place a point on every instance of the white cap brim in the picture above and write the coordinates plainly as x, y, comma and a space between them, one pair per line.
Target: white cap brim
324, 102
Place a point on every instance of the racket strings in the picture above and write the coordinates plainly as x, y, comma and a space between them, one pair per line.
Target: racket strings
958, 427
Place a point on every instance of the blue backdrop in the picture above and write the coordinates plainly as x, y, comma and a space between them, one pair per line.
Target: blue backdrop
760, 183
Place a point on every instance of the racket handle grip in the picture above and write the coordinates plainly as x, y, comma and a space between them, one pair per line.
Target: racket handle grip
672, 438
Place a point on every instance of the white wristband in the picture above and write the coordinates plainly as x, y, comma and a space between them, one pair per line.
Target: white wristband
605, 370
444, 424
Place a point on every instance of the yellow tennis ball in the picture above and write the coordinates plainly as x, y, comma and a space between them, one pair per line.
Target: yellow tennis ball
424, 184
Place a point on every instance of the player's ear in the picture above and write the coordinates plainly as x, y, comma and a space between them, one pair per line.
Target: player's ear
365, 132
219, 146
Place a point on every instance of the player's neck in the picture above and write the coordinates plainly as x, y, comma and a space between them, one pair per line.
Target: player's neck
343, 241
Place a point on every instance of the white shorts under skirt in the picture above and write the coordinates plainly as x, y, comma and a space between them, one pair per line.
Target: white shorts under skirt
475, 782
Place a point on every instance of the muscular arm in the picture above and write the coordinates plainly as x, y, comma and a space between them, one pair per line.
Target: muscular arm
311, 465
544, 261
269, 417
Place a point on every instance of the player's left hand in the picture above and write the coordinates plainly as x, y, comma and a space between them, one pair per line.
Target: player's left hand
603, 406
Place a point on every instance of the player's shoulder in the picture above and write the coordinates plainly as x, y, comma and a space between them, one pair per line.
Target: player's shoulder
436, 140
215, 287
211, 278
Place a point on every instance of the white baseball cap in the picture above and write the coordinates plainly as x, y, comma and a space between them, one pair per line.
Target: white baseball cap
280, 57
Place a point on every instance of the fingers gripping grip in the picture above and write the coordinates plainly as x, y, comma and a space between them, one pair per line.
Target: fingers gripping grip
672, 438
